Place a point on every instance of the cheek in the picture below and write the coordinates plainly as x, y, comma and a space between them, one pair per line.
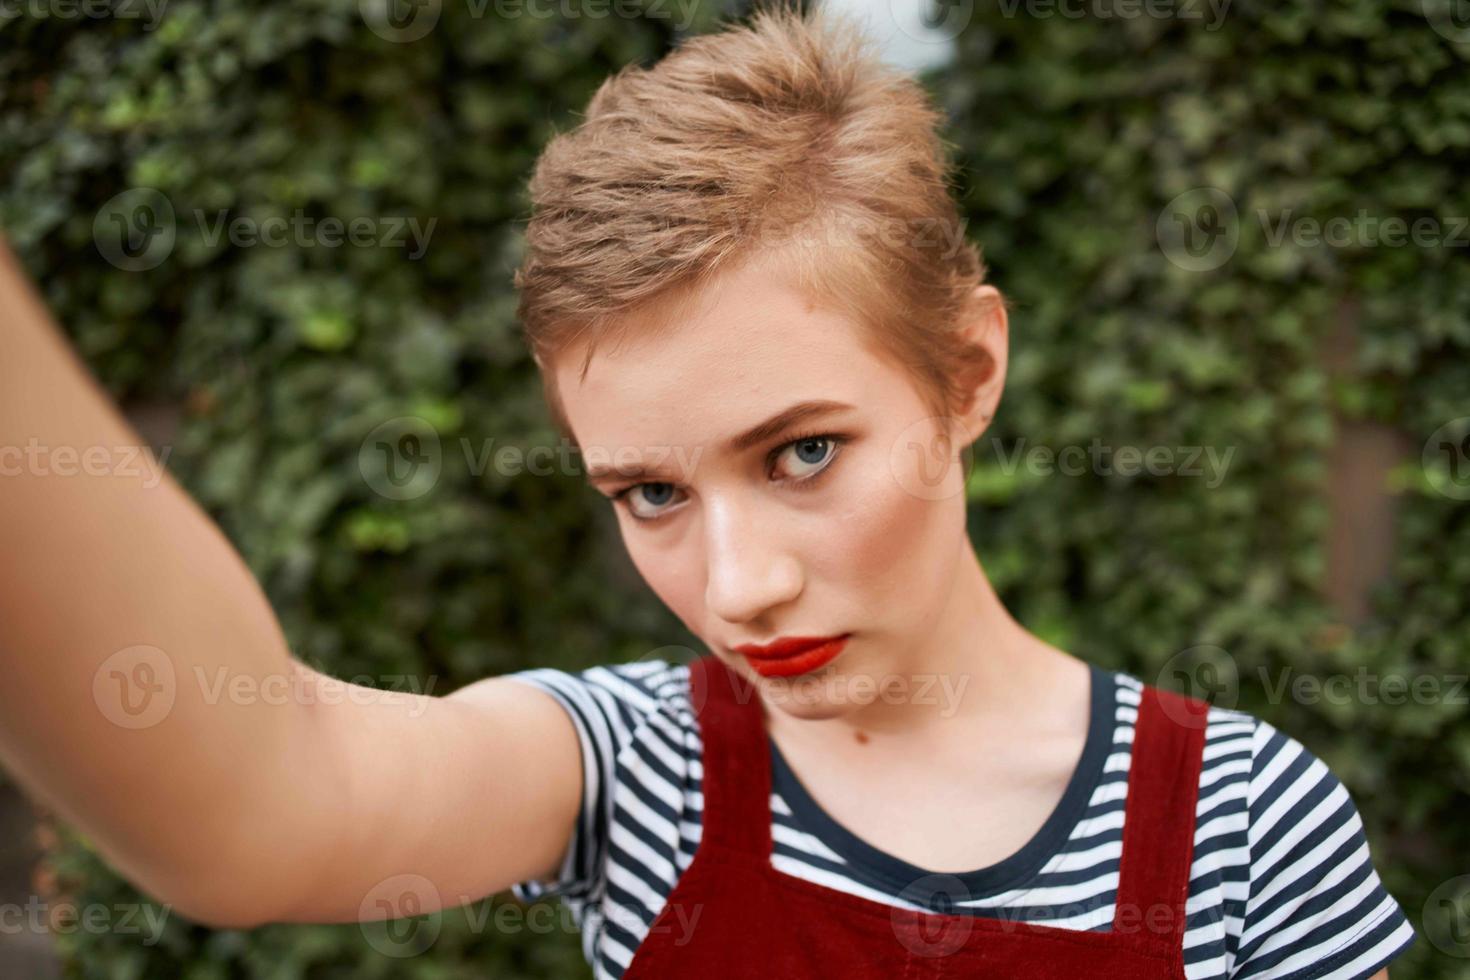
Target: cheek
672, 573
892, 545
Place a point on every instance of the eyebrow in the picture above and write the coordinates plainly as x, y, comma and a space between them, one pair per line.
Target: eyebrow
755, 435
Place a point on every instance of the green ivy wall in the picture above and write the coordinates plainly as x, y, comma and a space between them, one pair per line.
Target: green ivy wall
1076, 135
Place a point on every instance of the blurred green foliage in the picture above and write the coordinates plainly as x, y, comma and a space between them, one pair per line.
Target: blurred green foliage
284, 359
1075, 136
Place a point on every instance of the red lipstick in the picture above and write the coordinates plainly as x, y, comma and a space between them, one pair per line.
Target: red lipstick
792, 655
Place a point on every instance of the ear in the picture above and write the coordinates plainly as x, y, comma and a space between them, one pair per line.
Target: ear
987, 327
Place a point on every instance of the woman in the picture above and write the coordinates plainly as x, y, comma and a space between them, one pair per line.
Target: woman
755, 314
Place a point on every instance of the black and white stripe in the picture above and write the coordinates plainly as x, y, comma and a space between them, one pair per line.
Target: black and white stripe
1281, 885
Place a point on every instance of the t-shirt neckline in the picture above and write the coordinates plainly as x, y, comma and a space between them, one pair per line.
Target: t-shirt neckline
899, 875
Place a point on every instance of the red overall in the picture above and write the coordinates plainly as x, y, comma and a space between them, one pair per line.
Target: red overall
732, 915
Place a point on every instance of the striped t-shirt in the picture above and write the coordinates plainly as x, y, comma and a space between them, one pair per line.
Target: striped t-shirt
1281, 884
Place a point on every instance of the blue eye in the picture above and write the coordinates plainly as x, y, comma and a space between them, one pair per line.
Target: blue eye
659, 490
813, 452
649, 494
810, 456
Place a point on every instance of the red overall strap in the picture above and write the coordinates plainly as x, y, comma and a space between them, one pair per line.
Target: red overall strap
1159, 810
737, 772
1159, 814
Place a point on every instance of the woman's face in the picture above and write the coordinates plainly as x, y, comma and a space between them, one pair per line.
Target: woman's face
846, 518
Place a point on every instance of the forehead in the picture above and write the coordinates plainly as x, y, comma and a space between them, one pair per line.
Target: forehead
718, 362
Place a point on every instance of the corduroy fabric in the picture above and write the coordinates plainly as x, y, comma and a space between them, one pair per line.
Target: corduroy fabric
732, 914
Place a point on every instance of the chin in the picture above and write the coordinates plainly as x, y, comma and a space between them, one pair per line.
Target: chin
804, 702
817, 696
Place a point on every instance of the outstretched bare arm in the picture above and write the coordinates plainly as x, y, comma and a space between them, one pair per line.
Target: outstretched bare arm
148, 695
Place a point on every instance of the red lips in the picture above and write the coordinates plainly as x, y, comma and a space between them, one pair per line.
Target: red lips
792, 655
786, 646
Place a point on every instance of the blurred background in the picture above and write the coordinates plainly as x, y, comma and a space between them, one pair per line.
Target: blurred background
1233, 457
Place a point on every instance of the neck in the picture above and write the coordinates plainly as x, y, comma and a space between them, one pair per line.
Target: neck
977, 669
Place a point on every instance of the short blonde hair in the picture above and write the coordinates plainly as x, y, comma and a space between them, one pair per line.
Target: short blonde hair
784, 134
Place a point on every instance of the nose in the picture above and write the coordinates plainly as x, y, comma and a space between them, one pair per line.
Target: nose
750, 567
